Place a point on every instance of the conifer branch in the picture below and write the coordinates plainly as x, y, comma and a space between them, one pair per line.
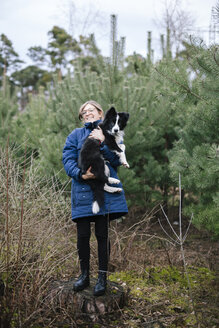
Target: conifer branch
181, 85
215, 59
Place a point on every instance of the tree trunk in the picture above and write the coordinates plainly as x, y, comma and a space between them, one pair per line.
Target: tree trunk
83, 305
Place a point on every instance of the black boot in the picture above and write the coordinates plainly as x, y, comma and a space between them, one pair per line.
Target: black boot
100, 287
83, 281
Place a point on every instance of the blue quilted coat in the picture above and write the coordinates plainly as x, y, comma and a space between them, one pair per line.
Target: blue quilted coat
81, 194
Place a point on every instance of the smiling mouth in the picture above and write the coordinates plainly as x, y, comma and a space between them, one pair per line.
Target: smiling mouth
89, 118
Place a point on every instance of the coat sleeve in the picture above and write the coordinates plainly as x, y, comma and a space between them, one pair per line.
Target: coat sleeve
109, 155
70, 157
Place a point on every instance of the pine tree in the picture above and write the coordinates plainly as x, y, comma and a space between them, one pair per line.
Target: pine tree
8, 110
147, 138
196, 154
155, 116
9, 59
149, 134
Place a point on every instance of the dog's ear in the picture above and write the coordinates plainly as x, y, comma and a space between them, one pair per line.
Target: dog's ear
124, 116
111, 112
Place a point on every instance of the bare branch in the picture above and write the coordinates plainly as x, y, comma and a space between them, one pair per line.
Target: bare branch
169, 223
187, 230
175, 241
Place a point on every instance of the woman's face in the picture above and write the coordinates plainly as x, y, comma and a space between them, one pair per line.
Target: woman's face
90, 113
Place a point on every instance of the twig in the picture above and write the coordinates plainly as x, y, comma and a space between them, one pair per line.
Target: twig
169, 223
180, 241
180, 209
175, 241
187, 230
22, 213
7, 218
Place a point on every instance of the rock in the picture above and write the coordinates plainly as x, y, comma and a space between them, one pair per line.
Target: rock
83, 304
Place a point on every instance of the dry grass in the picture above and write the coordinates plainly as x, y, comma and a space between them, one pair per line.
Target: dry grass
36, 244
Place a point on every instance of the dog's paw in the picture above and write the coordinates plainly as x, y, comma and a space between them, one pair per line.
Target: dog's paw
126, 165
111, 189
113, 181
95, 207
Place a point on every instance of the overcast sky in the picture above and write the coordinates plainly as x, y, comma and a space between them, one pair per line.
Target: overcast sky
27, 22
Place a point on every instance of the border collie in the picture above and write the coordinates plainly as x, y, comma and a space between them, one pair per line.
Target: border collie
113, 129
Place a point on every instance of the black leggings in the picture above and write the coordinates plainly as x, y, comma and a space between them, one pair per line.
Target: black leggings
83, 241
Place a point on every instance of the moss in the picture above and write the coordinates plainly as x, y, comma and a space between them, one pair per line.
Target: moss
172, 275
125, 277
166, 289
163, 275
190, 320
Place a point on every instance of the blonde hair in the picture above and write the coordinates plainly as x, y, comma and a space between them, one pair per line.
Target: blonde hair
90, 102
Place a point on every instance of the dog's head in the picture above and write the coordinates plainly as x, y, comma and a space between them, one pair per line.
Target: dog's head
115, 122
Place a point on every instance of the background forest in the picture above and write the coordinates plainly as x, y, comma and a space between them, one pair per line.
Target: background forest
173, 105
173, 129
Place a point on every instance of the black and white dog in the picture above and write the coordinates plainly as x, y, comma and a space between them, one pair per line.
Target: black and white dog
113, 129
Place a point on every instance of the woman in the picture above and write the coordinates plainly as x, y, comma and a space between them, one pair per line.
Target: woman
114, 206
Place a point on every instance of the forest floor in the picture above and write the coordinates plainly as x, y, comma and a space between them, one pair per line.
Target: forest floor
160, 292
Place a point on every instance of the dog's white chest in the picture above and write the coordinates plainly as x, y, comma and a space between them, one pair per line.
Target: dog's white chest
119, 137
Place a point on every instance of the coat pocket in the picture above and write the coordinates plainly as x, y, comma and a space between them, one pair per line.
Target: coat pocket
83, 195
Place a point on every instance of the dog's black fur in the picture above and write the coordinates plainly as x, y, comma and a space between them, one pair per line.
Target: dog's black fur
90, 156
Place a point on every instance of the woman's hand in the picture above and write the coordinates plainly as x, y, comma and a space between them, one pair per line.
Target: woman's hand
97, 134
88, 175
